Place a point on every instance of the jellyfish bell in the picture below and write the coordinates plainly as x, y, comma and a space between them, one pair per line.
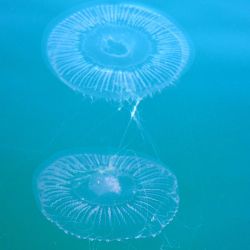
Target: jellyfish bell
106, 197
120, 52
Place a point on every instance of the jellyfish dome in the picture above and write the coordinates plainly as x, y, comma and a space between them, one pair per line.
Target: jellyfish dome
107, 197
119, 52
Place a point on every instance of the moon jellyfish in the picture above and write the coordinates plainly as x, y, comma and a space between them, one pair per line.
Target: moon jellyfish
107, 197
119, 52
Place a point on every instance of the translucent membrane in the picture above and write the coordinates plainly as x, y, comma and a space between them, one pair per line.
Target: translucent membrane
107, 197
119, 52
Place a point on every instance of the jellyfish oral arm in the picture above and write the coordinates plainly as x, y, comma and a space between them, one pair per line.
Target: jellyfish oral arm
134, 109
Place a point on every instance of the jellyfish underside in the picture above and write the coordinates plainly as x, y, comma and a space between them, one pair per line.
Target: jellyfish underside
118, 52
107, 197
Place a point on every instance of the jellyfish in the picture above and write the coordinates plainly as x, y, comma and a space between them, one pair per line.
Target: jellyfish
119, 52
106, 197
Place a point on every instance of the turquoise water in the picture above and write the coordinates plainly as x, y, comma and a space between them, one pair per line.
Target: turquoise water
199, 128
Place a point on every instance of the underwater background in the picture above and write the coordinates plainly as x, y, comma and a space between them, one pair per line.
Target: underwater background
199, 128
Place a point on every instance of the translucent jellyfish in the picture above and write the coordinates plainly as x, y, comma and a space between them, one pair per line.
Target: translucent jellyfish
107, 197
119, 52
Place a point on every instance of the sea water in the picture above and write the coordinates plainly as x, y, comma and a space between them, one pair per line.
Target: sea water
199, 127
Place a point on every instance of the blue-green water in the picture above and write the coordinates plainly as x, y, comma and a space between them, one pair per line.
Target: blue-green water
199, 127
